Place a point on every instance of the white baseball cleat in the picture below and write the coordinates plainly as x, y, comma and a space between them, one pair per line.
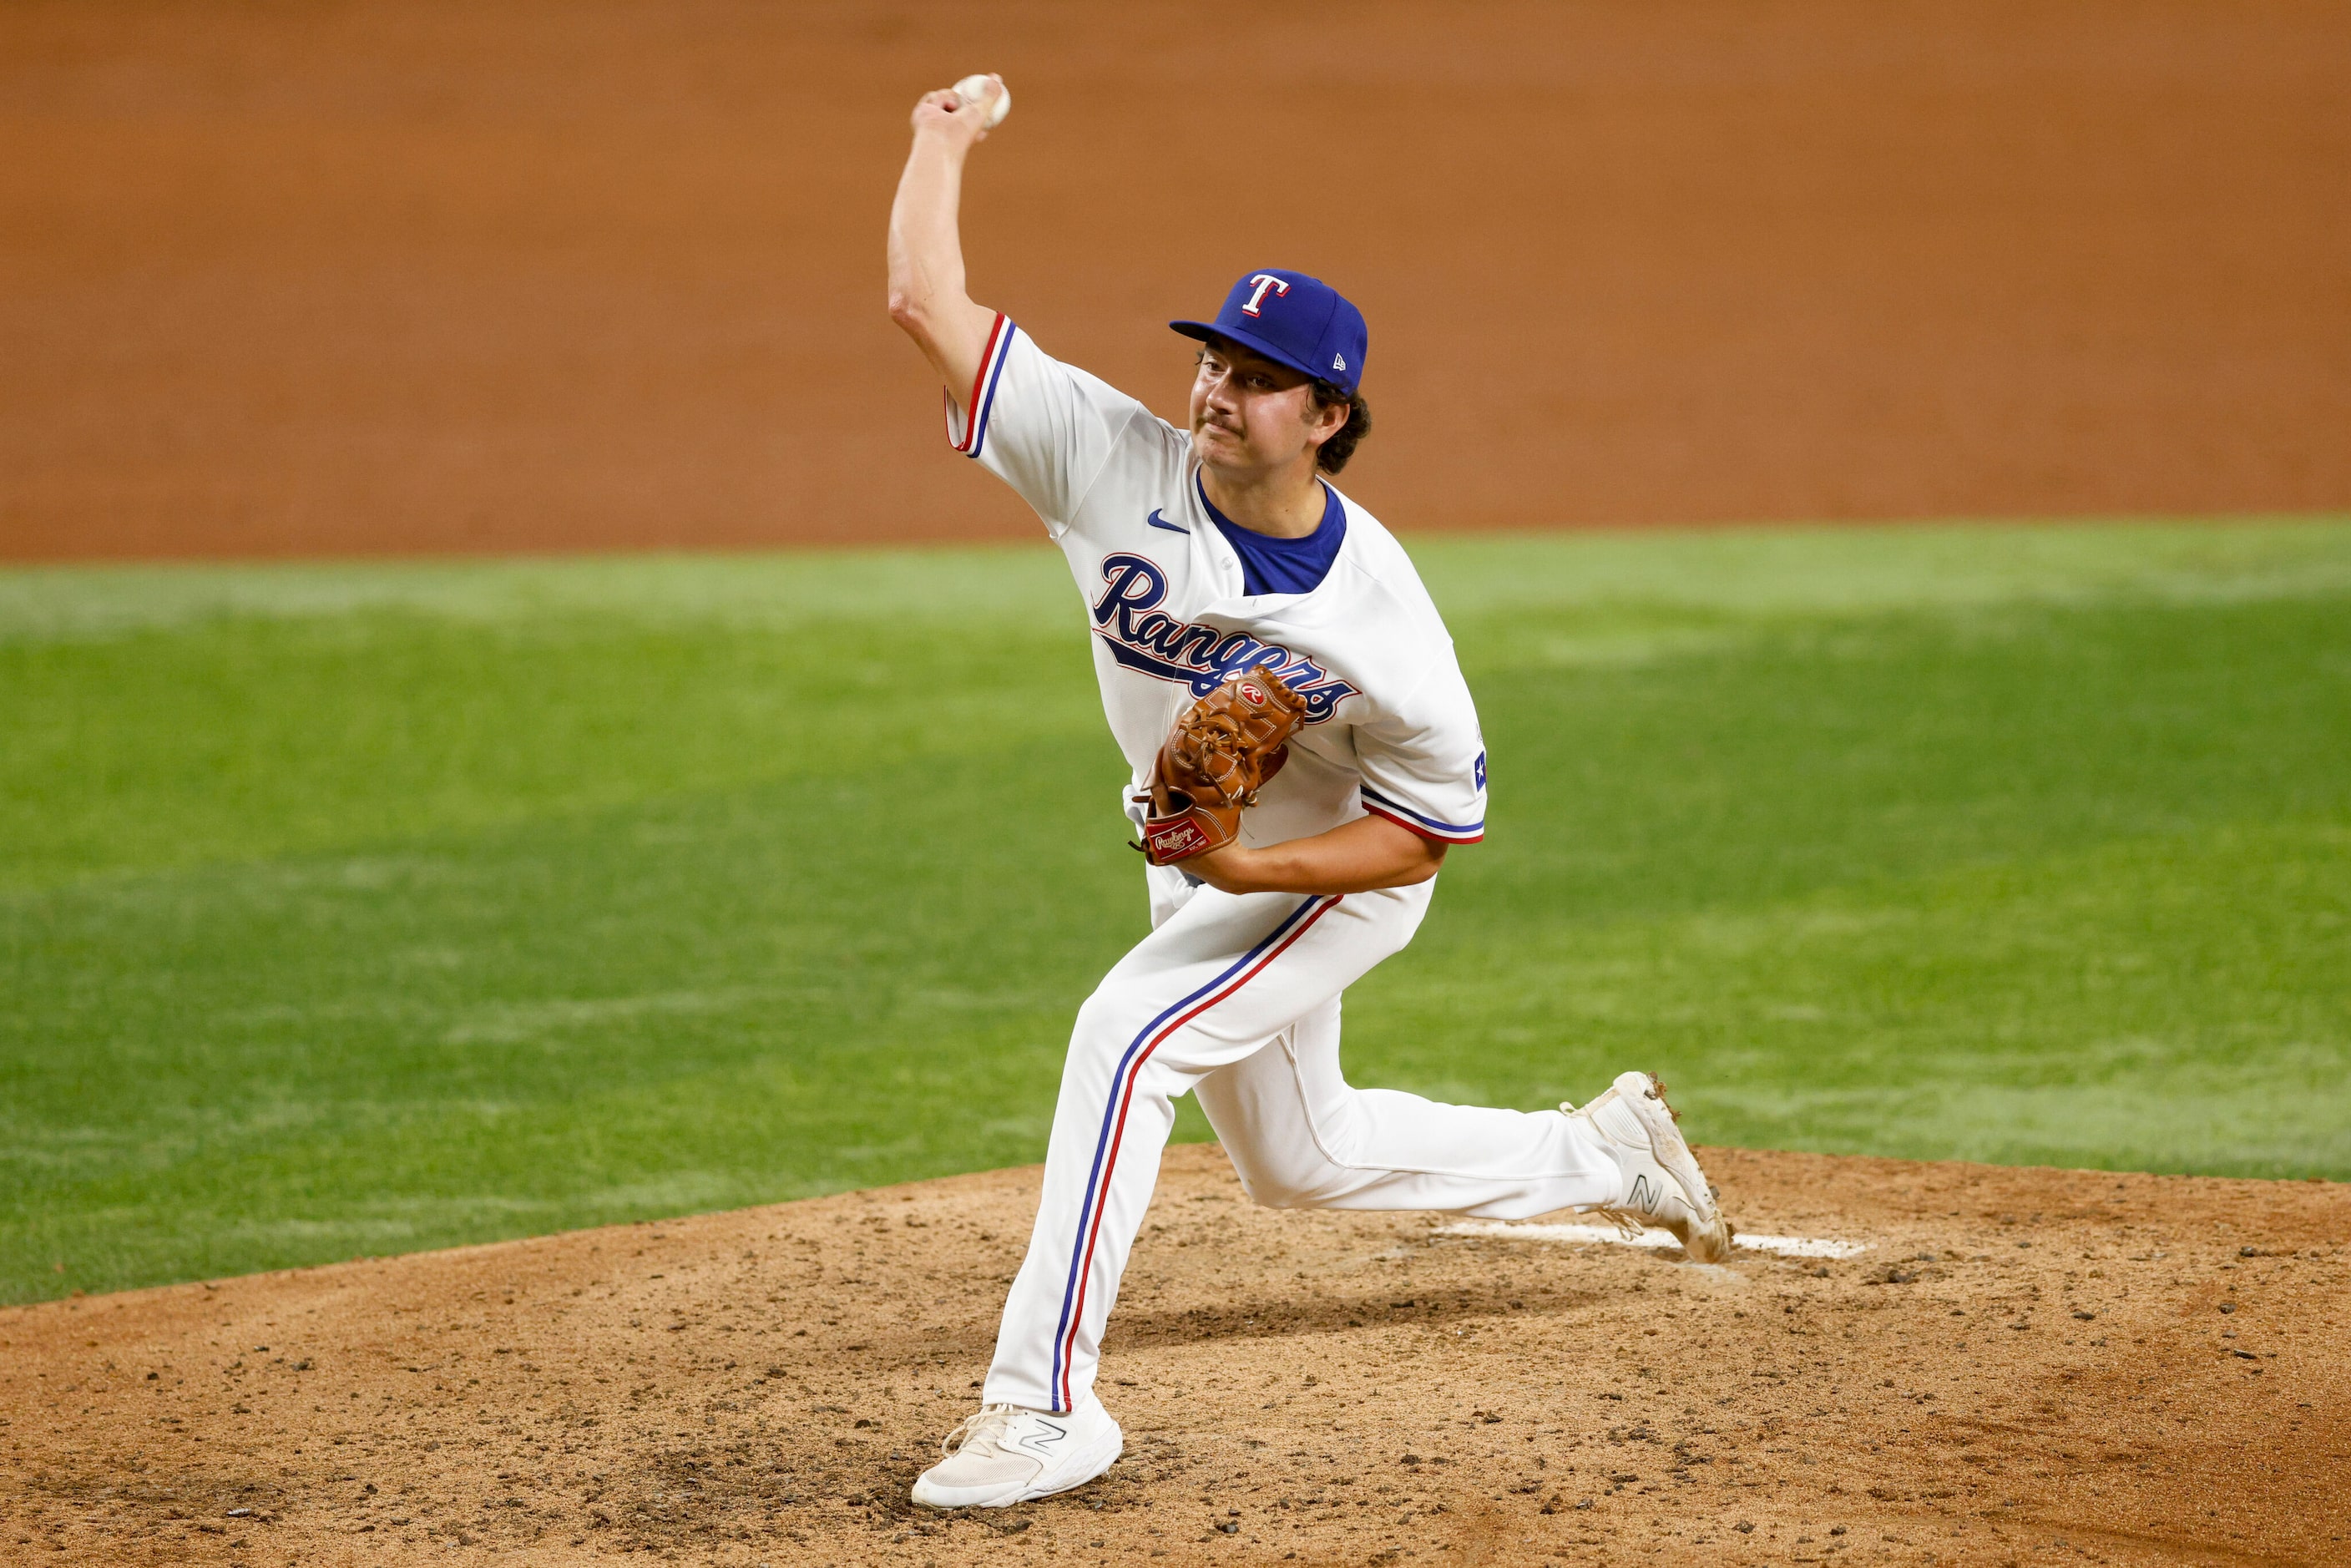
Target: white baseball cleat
1006, 1455
1663, 1185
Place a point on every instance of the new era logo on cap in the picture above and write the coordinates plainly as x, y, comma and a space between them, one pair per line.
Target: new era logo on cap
1292, 320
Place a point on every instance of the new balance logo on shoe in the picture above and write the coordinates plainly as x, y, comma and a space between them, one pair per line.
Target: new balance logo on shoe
1041, 1440
1647, 1196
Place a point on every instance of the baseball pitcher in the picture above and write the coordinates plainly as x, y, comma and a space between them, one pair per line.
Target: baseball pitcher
1304, 754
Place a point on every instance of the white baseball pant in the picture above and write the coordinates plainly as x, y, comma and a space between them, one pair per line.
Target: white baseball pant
1237, 996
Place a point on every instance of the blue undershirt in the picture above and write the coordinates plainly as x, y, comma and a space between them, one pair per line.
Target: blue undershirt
1271, 565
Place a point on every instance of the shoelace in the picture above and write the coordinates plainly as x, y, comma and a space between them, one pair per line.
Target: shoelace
1629, 1225
986, 1425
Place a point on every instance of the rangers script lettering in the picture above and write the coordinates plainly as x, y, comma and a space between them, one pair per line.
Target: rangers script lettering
1142, 637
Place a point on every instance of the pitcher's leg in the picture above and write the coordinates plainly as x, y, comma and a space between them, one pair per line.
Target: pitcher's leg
1096, 1190
1211, 984
1301, 1137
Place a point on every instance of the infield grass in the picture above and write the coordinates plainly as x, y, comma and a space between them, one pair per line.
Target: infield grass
361, 909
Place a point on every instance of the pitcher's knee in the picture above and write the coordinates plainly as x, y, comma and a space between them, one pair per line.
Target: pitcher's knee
1286, 1178
1106, 1023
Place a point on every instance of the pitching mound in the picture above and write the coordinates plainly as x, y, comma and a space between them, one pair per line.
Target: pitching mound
2022, 1365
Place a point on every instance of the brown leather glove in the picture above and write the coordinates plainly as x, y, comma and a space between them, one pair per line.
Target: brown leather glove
1219, 755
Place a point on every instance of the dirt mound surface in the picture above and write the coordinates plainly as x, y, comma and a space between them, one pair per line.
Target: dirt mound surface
2023, 1365
399, 275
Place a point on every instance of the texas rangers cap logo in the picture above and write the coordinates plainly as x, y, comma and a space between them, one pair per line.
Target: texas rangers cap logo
1293, 319
1258, 283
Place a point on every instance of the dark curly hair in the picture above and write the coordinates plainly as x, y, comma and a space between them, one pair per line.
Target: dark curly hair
1342, 445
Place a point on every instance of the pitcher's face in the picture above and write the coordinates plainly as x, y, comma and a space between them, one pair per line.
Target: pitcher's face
1250, 414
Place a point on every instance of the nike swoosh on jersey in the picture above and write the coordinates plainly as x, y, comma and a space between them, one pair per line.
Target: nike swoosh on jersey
1156, 521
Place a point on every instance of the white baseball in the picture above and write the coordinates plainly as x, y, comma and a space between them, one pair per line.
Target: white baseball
975, 89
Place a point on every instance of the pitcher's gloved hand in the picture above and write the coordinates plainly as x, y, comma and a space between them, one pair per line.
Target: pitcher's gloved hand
1221, 753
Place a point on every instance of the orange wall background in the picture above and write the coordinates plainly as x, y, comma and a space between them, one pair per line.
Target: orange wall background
297, 279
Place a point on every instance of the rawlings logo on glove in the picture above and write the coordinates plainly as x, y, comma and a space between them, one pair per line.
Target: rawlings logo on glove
1219, 755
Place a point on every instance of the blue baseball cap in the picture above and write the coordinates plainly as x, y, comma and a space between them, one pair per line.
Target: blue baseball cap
1294, 320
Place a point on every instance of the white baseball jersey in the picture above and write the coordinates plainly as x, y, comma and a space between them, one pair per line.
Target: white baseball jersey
1237, 995
1389, 726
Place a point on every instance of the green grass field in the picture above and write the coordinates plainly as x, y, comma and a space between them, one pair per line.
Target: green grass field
361, 909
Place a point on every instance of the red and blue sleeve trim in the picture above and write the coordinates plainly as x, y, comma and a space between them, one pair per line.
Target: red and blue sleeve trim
983, 389
1379, 805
